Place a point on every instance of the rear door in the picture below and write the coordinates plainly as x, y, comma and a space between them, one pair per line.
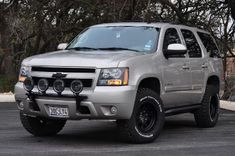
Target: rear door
213, 56
198, 64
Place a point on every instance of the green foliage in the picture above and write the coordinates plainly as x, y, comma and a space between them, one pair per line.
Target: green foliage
7, 83
229, 87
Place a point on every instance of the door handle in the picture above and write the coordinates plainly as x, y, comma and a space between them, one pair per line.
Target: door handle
185, 67
204, 66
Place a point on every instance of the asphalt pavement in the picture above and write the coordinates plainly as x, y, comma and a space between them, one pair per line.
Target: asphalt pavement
180, 137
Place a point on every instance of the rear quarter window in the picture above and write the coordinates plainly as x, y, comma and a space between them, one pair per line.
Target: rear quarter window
209, 44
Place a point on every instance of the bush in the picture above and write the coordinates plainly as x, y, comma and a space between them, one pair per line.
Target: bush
229, 87
7, 83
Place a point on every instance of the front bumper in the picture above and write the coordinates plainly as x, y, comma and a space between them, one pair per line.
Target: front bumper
98, 101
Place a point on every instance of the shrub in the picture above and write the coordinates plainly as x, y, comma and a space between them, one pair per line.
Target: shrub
229, 87
7, 83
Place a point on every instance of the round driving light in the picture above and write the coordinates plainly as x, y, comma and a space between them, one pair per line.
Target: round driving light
43, 85
76, 86
28, 84
58, 86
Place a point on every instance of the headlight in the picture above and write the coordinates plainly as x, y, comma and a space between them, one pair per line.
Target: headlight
24, 73
113, 77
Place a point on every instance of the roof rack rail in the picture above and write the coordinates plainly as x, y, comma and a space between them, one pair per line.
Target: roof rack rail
134, 20
175, 22
154, 21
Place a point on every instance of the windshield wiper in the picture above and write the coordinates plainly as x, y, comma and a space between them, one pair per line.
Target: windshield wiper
82, 48
118, 48
109, 48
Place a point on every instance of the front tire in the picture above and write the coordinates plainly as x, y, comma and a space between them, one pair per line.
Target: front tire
207, 116
147, 118
41, 126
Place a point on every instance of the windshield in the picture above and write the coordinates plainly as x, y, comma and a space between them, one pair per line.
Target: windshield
138, 39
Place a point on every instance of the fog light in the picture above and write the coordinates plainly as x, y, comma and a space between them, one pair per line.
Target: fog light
43, 85
28, 84
76, 86
21, 104
58, 86
113, 110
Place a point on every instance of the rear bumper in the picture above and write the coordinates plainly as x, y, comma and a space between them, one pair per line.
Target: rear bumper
99, 102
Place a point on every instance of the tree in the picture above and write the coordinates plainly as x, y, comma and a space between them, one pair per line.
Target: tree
34, 27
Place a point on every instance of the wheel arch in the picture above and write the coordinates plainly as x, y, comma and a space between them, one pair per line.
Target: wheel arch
213, 80
152, 83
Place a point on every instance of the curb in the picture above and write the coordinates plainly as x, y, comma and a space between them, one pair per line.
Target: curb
228, 105
7, 98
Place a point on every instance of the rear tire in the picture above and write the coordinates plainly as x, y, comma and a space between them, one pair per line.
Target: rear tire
207, 116
41, 126
147, 118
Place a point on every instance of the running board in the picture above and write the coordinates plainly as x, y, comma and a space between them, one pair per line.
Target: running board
181, 109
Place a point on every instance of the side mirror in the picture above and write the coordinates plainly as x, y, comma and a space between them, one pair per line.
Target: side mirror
62, 46
175, 50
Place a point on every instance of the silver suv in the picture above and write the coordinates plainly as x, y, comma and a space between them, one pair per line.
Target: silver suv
134, 73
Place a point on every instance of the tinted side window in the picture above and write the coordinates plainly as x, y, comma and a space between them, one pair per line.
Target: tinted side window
192, 45
171, 36
209, 44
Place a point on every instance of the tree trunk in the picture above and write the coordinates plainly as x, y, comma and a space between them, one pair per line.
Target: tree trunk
3, 33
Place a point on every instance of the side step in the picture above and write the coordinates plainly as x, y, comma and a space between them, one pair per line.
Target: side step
181, 109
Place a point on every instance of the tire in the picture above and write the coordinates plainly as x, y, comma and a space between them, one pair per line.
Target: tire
147, 118
41, 126
207, 116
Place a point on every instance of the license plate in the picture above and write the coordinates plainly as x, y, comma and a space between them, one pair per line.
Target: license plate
58, 111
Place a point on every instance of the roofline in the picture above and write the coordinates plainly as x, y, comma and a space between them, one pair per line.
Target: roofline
151, 24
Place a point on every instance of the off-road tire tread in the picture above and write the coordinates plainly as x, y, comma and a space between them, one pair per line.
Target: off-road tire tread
126, 133
202, 116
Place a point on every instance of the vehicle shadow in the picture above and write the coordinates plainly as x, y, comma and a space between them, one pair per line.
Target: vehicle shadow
103, 133
180, 123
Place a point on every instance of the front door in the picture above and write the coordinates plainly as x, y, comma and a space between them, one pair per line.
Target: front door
176, 75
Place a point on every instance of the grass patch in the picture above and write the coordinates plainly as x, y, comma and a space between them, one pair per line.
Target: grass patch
7, 83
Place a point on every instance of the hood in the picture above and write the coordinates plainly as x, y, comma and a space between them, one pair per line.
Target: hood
72, 58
